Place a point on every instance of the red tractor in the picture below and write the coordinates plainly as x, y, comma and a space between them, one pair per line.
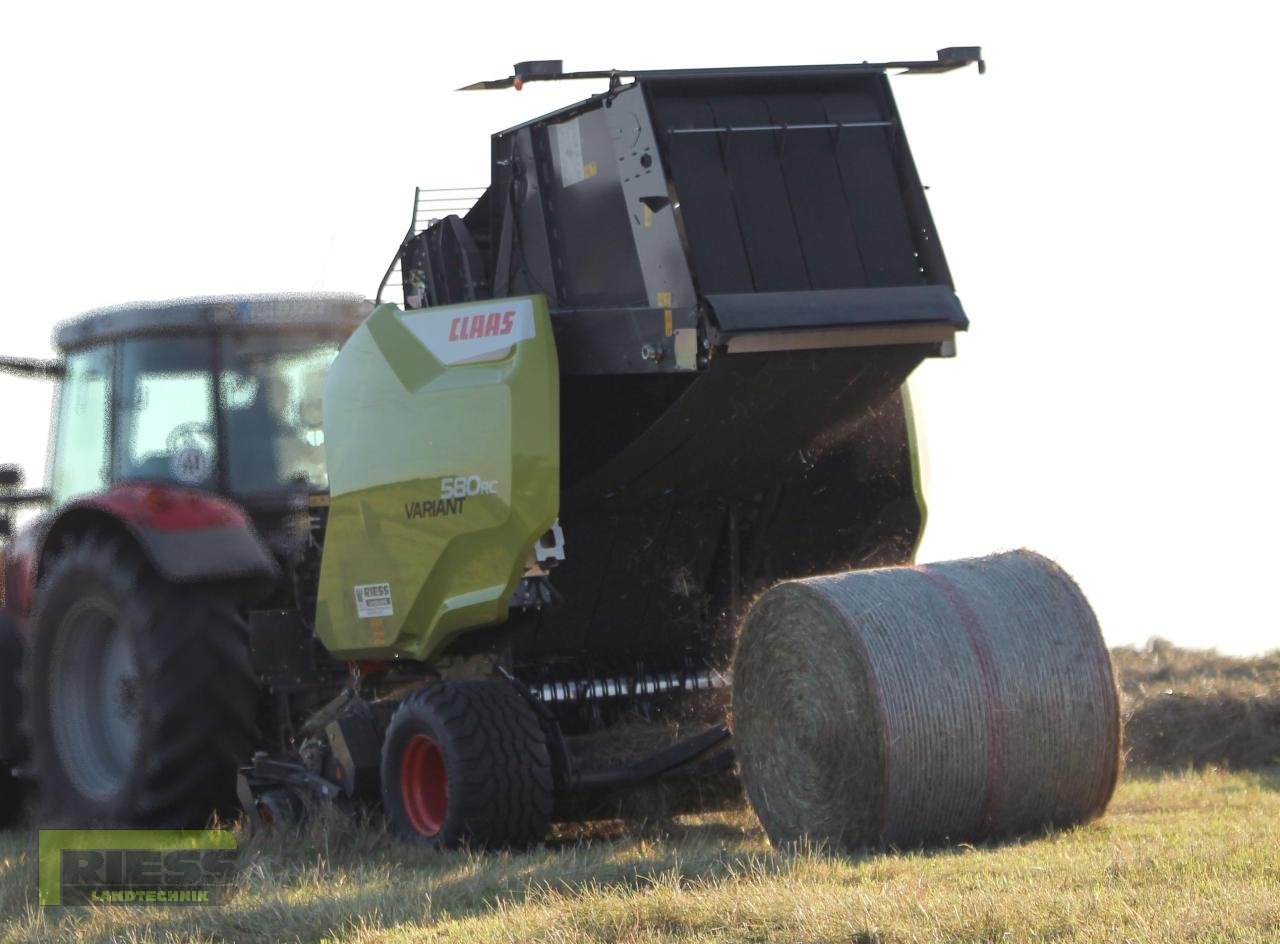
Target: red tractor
185, 457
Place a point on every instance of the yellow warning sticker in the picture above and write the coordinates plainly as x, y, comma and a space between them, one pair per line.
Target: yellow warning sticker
664, 300
589, 170
648, 217
666, 322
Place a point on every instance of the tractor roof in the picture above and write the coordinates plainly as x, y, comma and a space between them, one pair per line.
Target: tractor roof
291, 311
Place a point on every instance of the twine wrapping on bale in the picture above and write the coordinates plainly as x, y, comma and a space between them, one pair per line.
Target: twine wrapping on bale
914, 705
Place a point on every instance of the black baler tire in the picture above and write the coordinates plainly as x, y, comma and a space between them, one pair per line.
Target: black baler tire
198, 693
496, 762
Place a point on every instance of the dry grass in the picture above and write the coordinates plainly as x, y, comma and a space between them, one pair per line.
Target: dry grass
1195, 708
1181, 856
1161, 666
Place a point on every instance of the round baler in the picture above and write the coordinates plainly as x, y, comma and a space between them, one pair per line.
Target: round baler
656, 369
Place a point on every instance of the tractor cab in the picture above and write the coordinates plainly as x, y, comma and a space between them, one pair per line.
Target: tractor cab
219, 394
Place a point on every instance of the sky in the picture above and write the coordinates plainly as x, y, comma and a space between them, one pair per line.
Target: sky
1106, 195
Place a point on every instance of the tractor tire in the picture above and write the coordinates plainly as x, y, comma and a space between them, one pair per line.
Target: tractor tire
12, 799
142, 697
466, 764
12, 790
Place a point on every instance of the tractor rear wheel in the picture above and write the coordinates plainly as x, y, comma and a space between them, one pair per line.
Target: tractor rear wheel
12, 792
466, 763
141, 693
13, 797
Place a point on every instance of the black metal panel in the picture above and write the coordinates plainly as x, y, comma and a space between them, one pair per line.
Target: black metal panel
527, 270
760, 191
762, 311
706, 199
611, 340
639, 589
565, 630
873, 191
827, 235
806, 178
739, 424
854, 504
355, 761
933, 262
601, 415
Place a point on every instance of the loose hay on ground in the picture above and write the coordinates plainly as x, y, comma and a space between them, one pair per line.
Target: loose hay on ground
1198, 708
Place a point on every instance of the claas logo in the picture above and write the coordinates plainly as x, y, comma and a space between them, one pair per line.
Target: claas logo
494, 324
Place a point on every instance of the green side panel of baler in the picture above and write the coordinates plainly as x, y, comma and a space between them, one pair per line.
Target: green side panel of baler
442, 436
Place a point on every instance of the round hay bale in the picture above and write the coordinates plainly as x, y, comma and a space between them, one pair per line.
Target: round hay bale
915, 705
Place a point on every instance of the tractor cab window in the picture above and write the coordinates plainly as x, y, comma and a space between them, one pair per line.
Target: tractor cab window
165, 427
80, 441
270, 389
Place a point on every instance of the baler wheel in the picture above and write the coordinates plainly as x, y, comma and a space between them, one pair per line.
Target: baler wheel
424, 784
466, 763
142, 694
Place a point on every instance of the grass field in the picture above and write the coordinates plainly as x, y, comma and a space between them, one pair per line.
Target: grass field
1181, 856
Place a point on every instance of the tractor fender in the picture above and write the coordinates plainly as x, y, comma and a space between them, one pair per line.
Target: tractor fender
187, 536
17, 570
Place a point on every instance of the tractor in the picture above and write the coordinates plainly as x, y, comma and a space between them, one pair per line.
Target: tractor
406, 554
186, 449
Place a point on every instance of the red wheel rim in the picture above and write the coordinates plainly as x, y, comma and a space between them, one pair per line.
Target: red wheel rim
424, 787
